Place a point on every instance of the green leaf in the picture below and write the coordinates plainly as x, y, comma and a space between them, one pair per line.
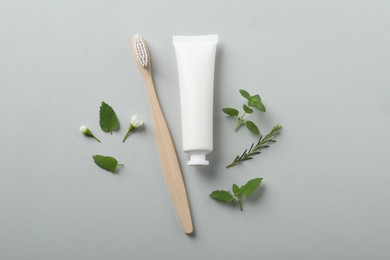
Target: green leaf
252, 127
230, 111
247, 109
236, 190
250, 186
245, 94
254, 99
108, 119
222, 195
106, 162
240, 193
260, 106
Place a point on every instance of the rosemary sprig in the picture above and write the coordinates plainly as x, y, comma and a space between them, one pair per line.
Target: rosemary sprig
255, 148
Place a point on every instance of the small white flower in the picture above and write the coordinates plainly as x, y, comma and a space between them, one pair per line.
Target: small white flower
136, 121
87, 132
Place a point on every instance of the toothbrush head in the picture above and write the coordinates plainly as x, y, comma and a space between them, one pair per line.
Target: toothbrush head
141, 52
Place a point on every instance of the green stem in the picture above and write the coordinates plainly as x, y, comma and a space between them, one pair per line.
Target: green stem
96, 138
127, 134
240, 204
240, 122
119, 165
231, 164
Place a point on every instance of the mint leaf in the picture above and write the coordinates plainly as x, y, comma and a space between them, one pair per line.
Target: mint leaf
230, 111
250, 187
108, 119
222, 195
106, 162
239, 193
252, 127
236, 190
247, 109
245, 94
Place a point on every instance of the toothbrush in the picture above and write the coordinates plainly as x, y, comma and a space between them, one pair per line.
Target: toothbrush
164, 141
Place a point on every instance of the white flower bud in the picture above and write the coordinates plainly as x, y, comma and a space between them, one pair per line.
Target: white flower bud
87, 132
136, 121
83, 129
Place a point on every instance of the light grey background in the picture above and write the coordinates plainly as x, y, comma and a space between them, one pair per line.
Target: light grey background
322, 68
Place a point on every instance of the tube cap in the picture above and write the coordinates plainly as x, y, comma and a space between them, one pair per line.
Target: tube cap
198, 159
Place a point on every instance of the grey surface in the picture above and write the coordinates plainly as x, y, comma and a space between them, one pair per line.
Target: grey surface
322, 68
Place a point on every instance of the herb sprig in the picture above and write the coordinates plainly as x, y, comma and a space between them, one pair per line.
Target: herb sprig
254, 149
239, 192
252, 101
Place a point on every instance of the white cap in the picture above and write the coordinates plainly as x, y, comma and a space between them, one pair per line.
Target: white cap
198, 159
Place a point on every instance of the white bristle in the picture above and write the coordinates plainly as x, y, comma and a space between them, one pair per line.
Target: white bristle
140, 49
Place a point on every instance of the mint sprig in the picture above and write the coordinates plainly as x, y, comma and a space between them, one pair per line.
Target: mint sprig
108, 119
107, 163
239, 193
252, 102
254, 149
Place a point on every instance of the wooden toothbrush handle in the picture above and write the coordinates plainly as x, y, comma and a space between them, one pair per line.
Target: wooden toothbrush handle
169, 160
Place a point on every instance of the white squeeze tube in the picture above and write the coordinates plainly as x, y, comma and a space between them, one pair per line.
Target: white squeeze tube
195, 63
